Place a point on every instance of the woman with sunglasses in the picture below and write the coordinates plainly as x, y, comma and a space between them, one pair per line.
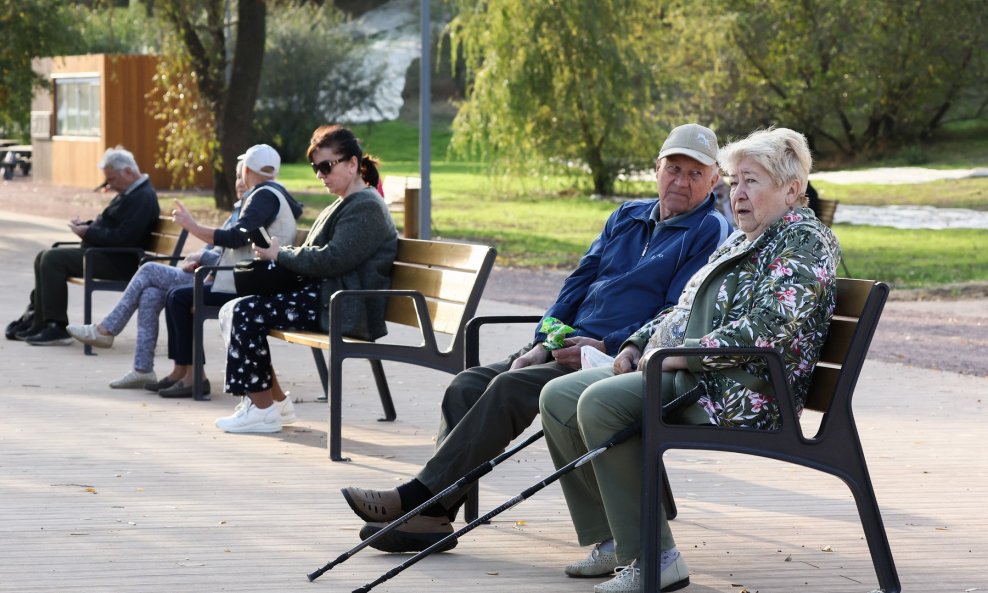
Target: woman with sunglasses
352, 245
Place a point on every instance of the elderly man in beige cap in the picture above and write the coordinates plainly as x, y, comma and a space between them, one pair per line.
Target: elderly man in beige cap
636, 267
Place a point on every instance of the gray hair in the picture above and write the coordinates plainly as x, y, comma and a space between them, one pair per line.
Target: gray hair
119, 158
784, 153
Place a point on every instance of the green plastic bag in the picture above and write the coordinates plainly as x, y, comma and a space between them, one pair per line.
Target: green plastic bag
555, 331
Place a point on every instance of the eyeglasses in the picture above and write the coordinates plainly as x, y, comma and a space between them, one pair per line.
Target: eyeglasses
325, 167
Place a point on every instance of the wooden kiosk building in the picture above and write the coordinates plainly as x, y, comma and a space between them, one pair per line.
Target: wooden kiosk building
95, 102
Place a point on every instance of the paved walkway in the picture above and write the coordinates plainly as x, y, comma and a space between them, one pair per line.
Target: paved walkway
121, 491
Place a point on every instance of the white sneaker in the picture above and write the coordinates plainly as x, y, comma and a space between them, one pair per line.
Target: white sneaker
134, 380
598, 564
88, 334
249, 418
286, 409
675, 574
628, 580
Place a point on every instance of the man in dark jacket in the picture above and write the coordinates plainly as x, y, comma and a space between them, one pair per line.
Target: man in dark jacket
126, 222
635, 268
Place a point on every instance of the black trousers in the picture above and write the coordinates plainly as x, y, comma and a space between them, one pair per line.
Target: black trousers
53, 267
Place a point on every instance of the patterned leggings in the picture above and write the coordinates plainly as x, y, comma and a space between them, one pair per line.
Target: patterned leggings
248, 359
146, 293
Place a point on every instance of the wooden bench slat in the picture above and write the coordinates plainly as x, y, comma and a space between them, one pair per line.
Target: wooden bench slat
447, 285
825, 377
838, 339
441, 254
445, 316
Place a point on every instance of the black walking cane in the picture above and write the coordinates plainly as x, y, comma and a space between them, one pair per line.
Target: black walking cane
472, 476
616, 439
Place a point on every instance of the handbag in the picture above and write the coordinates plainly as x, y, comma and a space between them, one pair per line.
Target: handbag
259, 276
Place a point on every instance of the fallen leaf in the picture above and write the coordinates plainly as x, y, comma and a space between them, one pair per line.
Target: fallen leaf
788, 558
492, 573
826, 549
91, 490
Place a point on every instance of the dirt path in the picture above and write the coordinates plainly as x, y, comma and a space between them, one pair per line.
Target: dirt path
945, 330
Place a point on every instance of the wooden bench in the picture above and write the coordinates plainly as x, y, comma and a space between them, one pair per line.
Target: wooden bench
167, 242
834, 449
435, 287
13, 156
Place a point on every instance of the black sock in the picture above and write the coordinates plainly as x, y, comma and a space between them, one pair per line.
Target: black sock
414, 493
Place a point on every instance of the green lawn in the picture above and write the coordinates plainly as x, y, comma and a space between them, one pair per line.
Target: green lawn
550, 221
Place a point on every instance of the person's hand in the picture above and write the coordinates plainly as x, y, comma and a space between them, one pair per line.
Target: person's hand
191, 262
268, 253
182, 217
79, 227
674, 363
569, 354
537, 355
627, 359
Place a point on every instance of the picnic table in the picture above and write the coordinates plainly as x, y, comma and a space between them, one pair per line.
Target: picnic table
13, 156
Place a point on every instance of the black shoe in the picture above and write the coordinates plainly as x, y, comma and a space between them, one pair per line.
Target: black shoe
159, 385
180, 389
419, 533
16, 326
52, 334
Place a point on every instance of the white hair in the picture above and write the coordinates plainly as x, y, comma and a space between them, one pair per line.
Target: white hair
119, 158
784, 153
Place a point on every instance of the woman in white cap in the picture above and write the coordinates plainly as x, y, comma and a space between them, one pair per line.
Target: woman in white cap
266, 204
352, 245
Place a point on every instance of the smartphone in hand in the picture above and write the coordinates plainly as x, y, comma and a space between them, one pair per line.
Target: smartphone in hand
258, 236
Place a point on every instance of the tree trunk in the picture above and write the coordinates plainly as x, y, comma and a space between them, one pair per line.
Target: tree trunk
233, 122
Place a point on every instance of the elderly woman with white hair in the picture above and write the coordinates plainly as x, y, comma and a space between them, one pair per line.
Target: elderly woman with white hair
772, 283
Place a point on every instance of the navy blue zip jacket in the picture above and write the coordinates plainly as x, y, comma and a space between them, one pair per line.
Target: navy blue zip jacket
635, 268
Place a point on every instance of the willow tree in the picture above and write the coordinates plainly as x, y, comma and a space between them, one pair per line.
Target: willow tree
856, 74
561, 83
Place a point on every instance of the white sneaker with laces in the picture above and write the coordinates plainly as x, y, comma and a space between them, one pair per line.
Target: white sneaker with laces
598, 564
249, 418
134, 380
88, 334
675, 575
286, 409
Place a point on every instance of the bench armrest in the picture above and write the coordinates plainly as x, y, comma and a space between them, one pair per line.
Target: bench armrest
199, 279
421, 311
471, 338
89, 253
152, 258
651, 365
64, 243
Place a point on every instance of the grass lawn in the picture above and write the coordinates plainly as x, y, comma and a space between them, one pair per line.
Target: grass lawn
550, 221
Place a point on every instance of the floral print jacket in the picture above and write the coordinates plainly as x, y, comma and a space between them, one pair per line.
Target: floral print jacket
777, 291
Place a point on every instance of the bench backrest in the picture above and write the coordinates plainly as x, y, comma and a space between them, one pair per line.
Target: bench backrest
826, 211
451, 276
167, 238
850, 334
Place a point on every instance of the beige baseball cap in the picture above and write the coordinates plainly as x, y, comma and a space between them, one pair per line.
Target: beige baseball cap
692, 140
262, 159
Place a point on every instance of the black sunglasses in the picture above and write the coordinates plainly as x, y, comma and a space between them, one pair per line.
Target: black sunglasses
325, 167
